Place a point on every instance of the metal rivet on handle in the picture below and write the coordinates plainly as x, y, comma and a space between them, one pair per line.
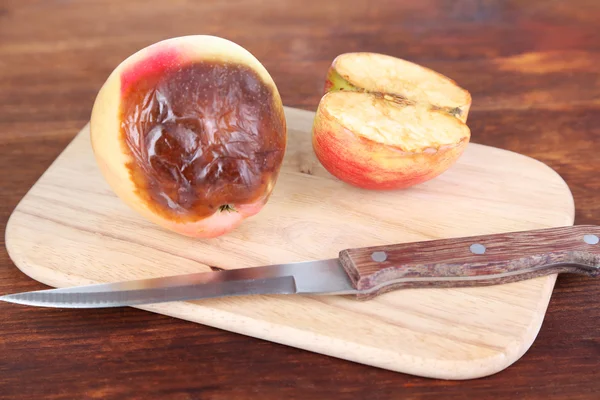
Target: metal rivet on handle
477, 248
379, 256
591, 239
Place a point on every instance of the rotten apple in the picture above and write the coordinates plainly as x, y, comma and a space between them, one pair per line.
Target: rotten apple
190, 132
386, 123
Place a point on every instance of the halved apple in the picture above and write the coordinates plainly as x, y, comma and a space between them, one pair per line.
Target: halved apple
386, 123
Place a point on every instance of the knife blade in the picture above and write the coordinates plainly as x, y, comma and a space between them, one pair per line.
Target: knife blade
361, 273
316, 277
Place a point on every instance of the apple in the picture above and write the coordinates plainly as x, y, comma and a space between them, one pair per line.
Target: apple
386, 123
190, 133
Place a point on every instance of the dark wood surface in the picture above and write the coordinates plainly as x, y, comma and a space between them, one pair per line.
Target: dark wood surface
531, 66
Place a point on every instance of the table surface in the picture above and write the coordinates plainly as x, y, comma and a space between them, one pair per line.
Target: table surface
531, 67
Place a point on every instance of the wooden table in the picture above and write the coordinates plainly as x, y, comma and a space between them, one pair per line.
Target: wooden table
531, 66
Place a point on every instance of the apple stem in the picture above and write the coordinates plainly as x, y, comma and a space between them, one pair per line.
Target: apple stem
227, 207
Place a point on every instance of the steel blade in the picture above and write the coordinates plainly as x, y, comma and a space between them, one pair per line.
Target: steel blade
313, 277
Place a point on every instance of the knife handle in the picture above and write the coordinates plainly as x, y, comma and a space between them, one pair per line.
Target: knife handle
473, 261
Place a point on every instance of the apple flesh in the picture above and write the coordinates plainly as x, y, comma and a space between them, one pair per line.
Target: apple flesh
386, 124
398, 79
190, 132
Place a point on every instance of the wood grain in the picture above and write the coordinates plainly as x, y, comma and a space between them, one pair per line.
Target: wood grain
71, 229
530, 65
451, 263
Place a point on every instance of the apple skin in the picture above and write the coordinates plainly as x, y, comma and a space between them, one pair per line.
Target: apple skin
335, 81
218, 224
371, 165
110, 151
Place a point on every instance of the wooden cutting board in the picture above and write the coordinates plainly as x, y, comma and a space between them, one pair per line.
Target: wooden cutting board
70, 229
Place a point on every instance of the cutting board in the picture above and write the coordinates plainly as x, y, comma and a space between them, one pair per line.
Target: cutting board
70, 229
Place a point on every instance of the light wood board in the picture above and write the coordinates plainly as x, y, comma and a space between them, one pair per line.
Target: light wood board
70, 229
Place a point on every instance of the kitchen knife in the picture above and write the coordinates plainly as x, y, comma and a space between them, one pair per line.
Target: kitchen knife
361, 273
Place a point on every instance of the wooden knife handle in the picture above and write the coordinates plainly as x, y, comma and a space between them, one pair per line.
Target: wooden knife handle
474, 261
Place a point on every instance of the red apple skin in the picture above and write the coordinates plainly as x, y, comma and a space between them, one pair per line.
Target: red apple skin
367, 164
217, 224
113, 158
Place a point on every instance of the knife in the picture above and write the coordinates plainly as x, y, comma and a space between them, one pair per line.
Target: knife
361, 273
